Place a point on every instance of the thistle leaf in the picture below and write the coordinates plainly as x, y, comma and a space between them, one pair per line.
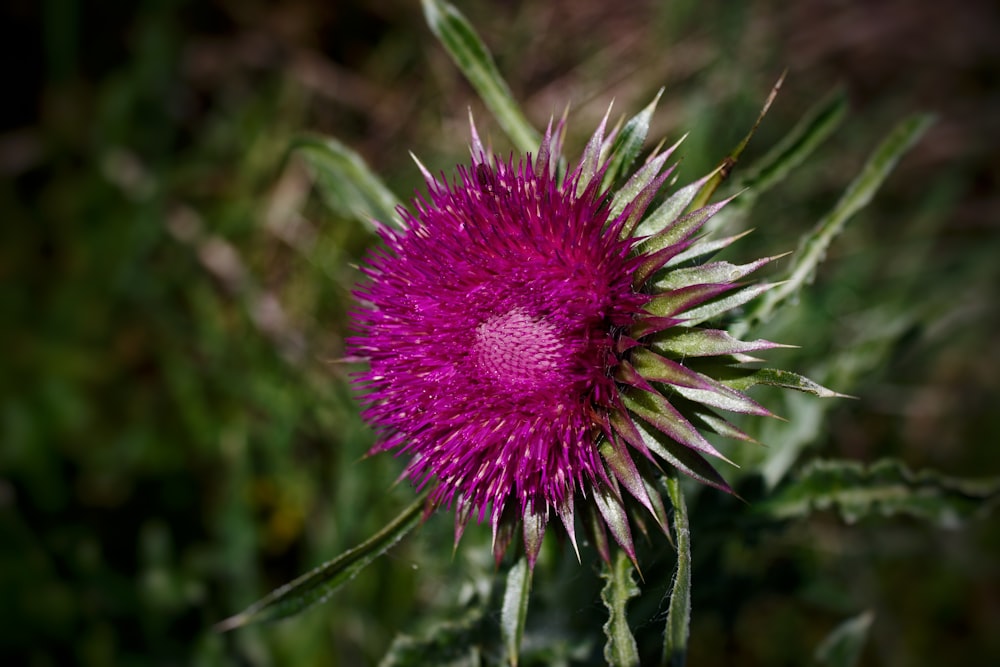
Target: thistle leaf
472, 57
598, 532
885, 488
656, 410
676, 229
628, 143
675, 635
515, 608
627, 374
669, 211
675, 302
347, 184
316, 586
842, 647
638, 191
707, 343
813, 246
685, 459
713, 309
620, 650
722, 397
615, 454
652, 366
703, 248
533, 530
610, 506
713, 272
655, 497
503, 533
705, 418
567, 515
590, 161
741, 379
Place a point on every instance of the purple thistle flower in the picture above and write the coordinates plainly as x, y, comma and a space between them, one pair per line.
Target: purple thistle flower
531, 343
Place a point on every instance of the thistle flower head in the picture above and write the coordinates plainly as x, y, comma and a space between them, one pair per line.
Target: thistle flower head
533, 342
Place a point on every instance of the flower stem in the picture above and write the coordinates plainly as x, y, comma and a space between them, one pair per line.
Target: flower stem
675, 635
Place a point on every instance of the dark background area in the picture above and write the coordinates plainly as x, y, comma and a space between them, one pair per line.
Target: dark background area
176, 437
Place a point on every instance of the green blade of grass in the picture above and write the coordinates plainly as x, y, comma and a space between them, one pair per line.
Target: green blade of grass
316, 586
348, 182
472, 57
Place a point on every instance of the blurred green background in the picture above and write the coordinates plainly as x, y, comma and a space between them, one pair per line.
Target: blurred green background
177, 436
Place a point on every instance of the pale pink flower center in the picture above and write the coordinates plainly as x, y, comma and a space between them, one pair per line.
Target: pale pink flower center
518, 349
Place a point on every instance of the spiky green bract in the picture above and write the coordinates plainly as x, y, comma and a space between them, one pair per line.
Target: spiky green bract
530, 342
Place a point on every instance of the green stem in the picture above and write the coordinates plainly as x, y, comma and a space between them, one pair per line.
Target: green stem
675, 635
621, 649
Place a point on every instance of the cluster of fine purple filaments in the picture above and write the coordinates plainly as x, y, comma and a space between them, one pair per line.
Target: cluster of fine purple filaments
491, 326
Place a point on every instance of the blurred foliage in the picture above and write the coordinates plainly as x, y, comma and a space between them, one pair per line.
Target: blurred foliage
177, 436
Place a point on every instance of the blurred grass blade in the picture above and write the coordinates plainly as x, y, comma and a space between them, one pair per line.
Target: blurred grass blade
628, 143
316, 586
515, 608
347, 183
675, 635
727, 164
620, 650
472, 57
813, 247
842, 647
814, 128
886, 488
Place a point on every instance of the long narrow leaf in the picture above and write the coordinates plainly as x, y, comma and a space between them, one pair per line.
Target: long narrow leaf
471, 56
842, 647
675, 635
347, 179
515, 608
316, 586
813, 247
620, 649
